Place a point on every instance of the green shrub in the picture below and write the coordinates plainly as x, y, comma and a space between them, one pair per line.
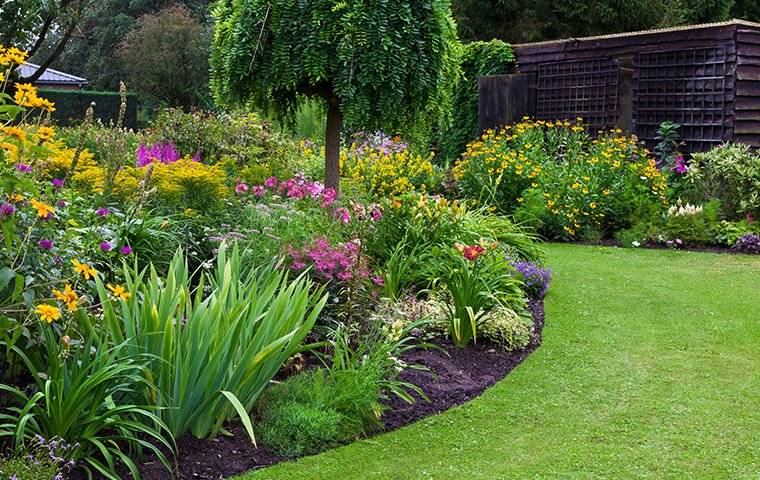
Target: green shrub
727, 233
293, 428
506, 328
476, 59
71, 105
730, 173
688, 224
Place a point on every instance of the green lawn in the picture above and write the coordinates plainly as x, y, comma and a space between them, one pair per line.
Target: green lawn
650, 368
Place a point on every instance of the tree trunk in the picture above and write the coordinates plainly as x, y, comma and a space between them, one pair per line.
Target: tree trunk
332, 144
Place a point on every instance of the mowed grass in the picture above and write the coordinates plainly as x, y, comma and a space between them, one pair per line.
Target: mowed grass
650, 368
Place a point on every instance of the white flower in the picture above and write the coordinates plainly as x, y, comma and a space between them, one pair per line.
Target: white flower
635, 243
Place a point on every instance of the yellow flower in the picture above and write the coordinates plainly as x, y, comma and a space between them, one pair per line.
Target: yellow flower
86, 270
14, 131
592, 205
67, 296
119, 292
48, 313
45, 133
43, 209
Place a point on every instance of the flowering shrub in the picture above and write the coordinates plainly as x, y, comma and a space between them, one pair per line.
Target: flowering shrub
189, 184
556, 173
385, 166
330, 263
748, 243
730, 173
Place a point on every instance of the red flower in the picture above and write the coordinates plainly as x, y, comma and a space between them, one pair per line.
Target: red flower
473, 252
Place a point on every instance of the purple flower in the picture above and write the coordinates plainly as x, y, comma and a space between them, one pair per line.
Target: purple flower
748, 243
241, 188
536, 279
46, 244
23, 168
57, 182
270, 182
126, 250
102, 212
258, 190
197, 156
7, 209
105, 246
61, 203
342, 215
378, 280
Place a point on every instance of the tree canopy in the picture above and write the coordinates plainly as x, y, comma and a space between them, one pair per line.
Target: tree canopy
376, 64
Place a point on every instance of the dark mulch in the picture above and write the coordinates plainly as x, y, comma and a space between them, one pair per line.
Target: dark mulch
454, 377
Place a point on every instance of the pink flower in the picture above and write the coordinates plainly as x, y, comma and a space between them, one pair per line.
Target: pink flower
102, 212
378, 280
126, 250
342, 215
375, 213
105, 246
328, 197
258, 190
270, 182
241, 188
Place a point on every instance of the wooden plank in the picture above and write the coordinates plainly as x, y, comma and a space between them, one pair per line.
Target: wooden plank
746, 115
504, 99
752, 139
747, 127
747, 103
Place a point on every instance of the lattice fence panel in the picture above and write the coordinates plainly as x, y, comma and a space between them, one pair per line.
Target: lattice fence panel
687, 87
579, 88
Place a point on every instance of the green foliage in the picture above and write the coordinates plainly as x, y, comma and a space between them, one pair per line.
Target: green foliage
86, 393
175, 72
316, 410
730, 173
476, 59
251, 319
385, 62
507, 328
727, 233
41, 460
71, 105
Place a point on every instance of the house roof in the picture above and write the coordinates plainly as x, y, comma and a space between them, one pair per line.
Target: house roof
51, 76
643, 32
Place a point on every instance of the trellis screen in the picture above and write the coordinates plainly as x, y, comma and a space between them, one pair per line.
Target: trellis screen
685, 86
579, 88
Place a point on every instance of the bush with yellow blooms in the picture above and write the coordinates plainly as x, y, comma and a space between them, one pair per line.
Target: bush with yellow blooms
556, 175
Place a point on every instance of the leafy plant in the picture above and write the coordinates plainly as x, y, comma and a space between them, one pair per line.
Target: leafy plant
213, 354
476, 278
87, 394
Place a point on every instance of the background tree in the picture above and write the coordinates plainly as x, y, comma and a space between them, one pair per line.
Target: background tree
165, 58
91, 50
30, 24
375, 64
518, 21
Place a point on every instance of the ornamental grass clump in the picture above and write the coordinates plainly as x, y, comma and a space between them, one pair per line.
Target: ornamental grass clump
212, 355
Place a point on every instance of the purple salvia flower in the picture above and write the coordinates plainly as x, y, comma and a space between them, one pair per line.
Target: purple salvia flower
46, 244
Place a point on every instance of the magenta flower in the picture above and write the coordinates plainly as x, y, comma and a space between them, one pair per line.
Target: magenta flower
46, 244
197, 156
241, 188
105, 246
378, 280
270, 182
57, 182
375, 212
24, 168
102, 212
60, 203
126, 250
258, 190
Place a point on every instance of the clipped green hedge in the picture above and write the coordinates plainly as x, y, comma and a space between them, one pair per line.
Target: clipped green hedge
71, 105
477, 59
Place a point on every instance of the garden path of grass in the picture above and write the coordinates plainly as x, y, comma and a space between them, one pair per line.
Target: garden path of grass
650, 368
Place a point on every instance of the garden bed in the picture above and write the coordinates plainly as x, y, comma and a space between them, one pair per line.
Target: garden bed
455, 377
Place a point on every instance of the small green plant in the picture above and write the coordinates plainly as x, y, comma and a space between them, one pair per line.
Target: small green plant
87, 394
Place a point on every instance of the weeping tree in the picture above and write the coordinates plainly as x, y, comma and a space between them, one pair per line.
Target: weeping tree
375, 64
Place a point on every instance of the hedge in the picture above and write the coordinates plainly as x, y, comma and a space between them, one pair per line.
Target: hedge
477, 59
71, 105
